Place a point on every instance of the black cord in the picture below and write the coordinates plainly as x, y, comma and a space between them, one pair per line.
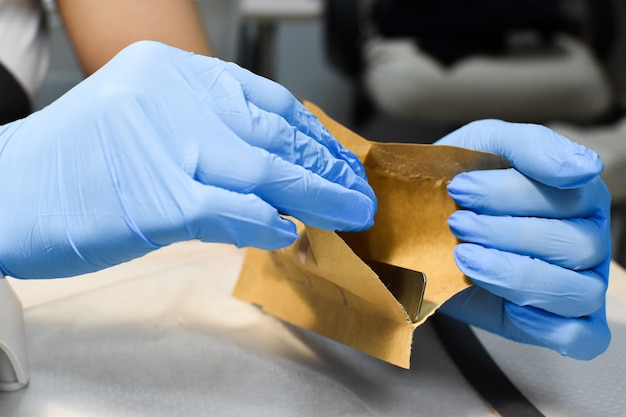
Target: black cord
480, 370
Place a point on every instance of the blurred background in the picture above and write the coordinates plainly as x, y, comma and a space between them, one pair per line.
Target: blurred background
282, 39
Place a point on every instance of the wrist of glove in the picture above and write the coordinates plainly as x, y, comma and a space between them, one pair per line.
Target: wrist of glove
535, 239
159, 146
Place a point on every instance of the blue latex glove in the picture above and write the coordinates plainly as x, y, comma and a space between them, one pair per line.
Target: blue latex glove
536, 239
161, 146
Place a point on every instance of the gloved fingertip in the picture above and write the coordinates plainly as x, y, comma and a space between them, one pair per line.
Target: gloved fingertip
554, 160
577, 338
283, 241
453, 223
464, 189
361, 216
455, 187
362, 186
373, 202
467, 254
284, 234
579, 168
288, 231
456, 221
348, 211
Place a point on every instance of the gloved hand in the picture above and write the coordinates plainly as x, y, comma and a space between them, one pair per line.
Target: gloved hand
536, 239
160, 146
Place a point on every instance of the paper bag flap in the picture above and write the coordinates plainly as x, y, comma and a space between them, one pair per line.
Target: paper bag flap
321, 283
340, 298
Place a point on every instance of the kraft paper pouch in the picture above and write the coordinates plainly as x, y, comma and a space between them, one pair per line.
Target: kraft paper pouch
322, 283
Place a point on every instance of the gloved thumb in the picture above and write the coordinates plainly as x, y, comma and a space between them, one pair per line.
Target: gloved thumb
534, 150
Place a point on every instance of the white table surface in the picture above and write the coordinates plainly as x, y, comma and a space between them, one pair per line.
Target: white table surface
162, 336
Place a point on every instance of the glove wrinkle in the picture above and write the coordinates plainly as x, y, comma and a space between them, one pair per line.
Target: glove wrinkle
162, 145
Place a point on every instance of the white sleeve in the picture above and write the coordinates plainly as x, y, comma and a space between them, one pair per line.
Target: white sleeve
24, 42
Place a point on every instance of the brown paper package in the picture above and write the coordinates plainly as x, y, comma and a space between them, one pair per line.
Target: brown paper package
321, 282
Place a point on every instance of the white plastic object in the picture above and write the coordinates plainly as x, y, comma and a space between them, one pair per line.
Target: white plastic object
14, 371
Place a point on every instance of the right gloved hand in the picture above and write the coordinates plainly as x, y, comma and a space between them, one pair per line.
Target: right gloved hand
535, 239
160, 146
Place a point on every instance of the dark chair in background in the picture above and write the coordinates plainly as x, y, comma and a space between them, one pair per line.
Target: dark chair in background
559, 63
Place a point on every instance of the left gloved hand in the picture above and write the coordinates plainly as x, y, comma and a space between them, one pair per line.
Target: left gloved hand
536, 239
161, 146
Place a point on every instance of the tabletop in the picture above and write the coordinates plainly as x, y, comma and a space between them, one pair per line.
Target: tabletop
162, 336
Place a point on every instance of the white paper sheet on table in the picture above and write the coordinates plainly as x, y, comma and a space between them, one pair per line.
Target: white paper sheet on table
161, 336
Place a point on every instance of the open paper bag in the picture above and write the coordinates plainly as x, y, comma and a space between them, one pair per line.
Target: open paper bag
324, 282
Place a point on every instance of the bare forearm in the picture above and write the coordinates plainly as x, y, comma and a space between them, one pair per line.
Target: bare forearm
100, 29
